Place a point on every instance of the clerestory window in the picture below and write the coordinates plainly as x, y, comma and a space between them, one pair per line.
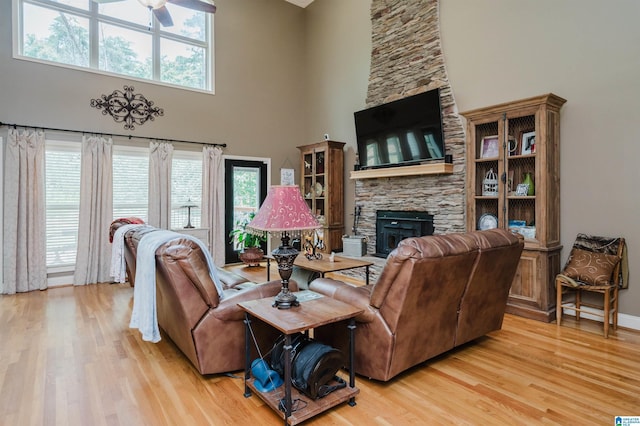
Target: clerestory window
118, 37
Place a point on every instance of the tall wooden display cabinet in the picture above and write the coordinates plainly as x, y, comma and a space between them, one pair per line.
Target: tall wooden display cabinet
513, 182
322, 186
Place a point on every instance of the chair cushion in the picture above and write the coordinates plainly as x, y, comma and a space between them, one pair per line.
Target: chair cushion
590, 267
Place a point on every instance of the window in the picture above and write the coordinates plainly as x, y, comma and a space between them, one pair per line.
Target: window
130, 182
120, 37
186, 189
130, 192
62, 201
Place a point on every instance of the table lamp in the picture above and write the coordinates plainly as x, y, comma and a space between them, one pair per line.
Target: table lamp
190, 204
283, 212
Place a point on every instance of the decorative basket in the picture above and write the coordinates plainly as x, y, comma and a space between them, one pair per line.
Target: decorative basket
490, 184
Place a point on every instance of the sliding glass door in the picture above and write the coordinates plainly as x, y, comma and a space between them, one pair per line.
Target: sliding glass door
245, 189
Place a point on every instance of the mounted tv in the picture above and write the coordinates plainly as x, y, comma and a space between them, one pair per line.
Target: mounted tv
400, 133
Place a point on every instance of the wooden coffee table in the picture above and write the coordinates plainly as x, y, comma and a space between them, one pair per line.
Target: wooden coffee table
324, 265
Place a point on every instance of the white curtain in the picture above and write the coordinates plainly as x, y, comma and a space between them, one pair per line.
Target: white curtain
160, 157
25, 259
96, 212
213, 201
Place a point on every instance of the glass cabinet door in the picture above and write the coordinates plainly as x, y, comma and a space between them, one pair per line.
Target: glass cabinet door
520, 160
314, 181
487, 175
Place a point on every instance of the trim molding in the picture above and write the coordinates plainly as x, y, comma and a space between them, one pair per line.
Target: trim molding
624, 320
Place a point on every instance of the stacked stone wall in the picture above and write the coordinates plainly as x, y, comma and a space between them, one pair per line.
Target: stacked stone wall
407, 59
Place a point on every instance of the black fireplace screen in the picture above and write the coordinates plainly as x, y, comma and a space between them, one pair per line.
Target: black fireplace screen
392, 226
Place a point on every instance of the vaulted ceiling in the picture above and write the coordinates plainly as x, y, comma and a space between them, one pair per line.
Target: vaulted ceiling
301, 3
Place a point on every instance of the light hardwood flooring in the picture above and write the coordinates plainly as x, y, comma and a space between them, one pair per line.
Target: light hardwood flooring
68, 357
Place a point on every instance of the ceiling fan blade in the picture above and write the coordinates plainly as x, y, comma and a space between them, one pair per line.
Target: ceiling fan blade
163, 16
195, 5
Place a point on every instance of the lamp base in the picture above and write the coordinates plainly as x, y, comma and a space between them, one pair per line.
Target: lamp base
285, 255
189, 225
285, 300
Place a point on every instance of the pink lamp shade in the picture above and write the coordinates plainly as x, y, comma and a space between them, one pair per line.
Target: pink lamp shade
283, 210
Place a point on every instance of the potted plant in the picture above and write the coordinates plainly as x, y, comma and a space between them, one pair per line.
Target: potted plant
249, 244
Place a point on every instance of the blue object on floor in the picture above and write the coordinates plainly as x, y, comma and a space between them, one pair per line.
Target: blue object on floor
267, 379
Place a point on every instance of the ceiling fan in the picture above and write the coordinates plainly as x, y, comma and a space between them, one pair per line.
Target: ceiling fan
160, 10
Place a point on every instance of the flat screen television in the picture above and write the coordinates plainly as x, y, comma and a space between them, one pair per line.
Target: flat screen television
403, 132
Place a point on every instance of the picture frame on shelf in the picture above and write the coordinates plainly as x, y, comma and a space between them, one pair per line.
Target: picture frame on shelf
513, 146
522, 189
528, 143
489, 147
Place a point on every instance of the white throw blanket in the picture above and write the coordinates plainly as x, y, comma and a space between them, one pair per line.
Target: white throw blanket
144, 315
118, 268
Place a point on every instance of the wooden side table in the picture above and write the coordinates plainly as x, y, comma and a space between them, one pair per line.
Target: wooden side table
314, 313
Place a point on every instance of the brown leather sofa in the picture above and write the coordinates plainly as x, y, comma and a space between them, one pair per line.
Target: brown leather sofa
209, 331
434, 293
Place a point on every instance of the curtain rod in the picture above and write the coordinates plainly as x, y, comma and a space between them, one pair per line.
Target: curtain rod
223, 145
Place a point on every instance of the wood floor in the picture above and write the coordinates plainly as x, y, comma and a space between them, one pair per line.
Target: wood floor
67, 357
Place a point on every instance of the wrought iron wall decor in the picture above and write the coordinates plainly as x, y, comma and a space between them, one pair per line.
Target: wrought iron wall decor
127, 107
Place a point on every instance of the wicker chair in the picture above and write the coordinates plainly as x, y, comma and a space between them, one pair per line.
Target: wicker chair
594, 265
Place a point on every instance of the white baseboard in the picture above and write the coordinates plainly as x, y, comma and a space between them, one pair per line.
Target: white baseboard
624, 320
59, 278
629, 321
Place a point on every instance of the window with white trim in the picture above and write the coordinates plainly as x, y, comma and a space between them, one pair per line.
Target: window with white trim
130, 182
186, 188
118, 37
62, 201
130, 171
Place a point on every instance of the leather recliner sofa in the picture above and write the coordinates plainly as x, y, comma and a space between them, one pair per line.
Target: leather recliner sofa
435, 293
131, 240
208, 329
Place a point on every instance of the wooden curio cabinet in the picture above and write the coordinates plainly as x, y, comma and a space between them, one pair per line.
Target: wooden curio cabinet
513, 182
322, 186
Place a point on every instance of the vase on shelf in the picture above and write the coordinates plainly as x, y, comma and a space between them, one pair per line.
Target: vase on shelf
529, 181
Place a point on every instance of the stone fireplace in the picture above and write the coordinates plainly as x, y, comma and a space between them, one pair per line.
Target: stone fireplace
393, 226
407, 59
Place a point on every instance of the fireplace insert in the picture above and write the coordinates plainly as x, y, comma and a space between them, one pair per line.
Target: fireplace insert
392, 226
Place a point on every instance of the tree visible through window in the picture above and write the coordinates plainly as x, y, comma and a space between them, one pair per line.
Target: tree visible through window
123, 40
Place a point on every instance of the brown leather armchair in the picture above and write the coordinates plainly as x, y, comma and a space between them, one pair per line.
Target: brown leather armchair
208, 329
131, 240
434, 293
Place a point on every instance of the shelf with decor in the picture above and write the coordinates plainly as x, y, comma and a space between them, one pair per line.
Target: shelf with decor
513, 164
322, 166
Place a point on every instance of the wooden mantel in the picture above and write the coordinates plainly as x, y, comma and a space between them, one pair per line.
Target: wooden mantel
420, 169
